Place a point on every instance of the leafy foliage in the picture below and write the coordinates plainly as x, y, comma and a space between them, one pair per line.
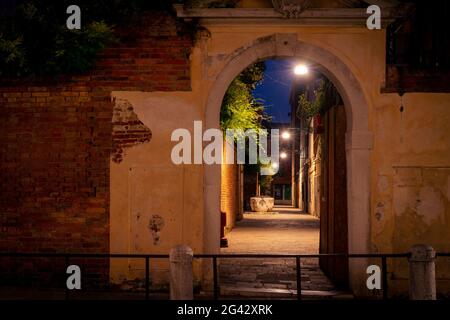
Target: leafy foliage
80, 48
312, 107
34, 39
253, 75
12, 56
265, 182
240, 110
323, 97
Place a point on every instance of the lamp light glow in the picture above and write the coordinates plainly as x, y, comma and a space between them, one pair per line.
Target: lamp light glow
285, 135
283, 155
301, 69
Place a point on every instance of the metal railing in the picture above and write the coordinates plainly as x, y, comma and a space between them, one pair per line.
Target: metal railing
297, 258
68, 256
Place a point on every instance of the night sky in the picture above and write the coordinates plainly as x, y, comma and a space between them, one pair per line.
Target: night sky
275, 89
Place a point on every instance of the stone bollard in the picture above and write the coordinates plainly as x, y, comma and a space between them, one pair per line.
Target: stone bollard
422, 281
181, 278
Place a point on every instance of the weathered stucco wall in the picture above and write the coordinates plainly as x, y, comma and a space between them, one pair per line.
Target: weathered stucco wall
412, 173
411, 181
146, 185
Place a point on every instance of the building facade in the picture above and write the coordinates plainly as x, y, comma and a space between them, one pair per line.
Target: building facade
76, 178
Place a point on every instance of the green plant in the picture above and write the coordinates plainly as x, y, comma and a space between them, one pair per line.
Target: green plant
323, 97
265, 183
12, 56
35, 41
76, 50
312, 107
240, 110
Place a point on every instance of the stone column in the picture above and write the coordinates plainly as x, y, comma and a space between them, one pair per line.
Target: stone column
211, 214
181, 278
358, 146
422, 280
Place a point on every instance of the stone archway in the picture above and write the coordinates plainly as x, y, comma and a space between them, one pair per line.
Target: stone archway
358, 140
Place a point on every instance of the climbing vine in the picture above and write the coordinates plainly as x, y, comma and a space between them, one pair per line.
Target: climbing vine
311, 107
319, 101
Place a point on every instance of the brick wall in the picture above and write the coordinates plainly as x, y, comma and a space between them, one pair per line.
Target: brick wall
57, 140
229, 193
127, 129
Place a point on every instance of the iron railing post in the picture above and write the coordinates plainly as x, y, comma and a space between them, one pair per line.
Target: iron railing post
216, 286
147, 278
299, 278
385, 283
66, 261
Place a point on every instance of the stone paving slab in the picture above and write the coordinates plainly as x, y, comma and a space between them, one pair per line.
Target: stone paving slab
261, 275
286, 232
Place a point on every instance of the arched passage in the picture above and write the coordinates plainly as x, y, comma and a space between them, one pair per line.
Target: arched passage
358, 138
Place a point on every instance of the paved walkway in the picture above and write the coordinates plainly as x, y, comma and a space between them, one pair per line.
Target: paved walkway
284, 231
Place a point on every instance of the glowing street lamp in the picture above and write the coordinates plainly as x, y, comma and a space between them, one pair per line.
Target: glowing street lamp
283, 155
301, 70
275, 165
285, 135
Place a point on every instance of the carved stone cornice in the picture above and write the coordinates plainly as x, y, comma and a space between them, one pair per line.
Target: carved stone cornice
290, 8
309, 16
